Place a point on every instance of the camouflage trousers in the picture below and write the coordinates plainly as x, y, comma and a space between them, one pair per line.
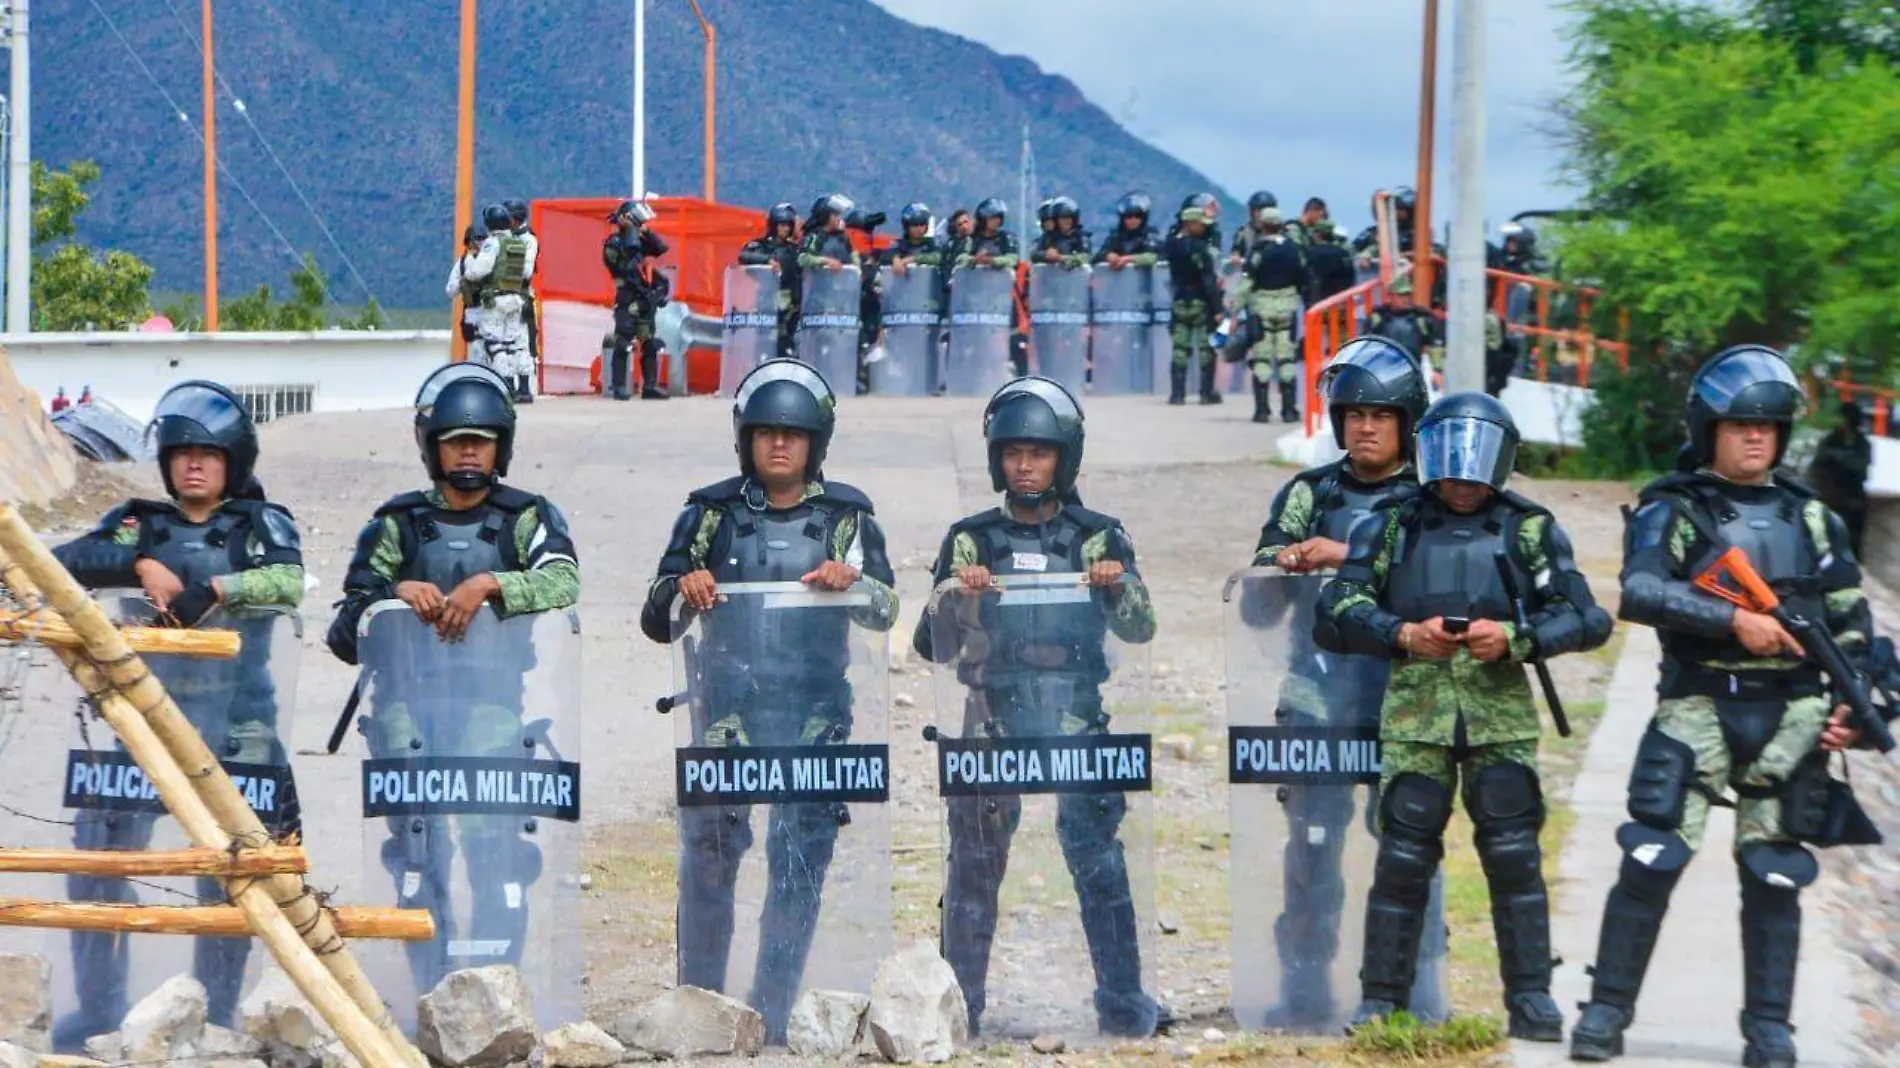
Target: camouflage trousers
1693, 722
1440, 763
1274, 357
1190, 330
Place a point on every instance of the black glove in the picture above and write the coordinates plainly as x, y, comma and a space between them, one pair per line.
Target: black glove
191, 606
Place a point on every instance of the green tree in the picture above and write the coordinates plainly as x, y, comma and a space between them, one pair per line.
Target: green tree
73, 287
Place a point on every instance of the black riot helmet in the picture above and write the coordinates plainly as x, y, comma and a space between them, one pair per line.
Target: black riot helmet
474, 234
468, 397
1747, 382
831, 205
784, 393
1372, 372
1468, 437
1203, 202
517, 211
206, 414
1046, 211
990, 208
1261, 199
637, 210
1064, 207
1404, 199
915, 213
867, 221
1033, 408
782, 214
1136, 204
497, 219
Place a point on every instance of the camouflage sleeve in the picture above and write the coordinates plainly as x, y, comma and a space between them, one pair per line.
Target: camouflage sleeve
1288, 520
551, 574
1005, 262
272, 584
754, 254
1144, 259
1563, 614
859, 542
927, 258
808, 252
957, 552
685, 553
1131, 612
1351, 617
1849, 618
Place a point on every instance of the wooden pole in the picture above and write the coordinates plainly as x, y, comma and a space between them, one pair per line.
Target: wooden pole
53, 631
205, 921
464, 162
211, 182
206, 803
270, 860
1422, 265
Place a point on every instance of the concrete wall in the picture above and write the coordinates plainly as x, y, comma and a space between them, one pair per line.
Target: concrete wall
345, 370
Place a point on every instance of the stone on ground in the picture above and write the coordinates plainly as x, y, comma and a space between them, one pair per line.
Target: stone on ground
13, 1055
580, 1045
917, 1011
109, 1047
827, 1023
1049, 1044
166, 1024
690, 1022
477, 1018
276, 1014
26, 1001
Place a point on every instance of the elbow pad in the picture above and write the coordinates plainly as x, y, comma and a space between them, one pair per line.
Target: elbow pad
342, 634
97, 564
1652, 600
656, 616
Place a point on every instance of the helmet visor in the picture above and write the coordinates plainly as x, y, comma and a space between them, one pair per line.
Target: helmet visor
221, 415
1465, 449
1722, 381
445, 377
794, 371
1387, 364
1059, 400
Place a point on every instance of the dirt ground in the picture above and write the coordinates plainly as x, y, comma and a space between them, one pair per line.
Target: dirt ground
1191, 484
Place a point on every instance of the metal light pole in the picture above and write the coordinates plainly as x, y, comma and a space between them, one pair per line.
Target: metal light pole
211, 181
639, 99
1464, 321
20, 191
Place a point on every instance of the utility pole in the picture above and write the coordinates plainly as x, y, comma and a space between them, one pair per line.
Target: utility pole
639, 99
20, 184
1427, 132
211, 182
464, 162
1464, 320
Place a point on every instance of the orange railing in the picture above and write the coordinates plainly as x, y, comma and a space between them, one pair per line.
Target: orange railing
1881, 406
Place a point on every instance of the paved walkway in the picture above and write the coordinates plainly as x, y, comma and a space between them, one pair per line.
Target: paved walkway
1687, 1015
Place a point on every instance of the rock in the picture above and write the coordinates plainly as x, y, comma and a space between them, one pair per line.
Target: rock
1179, 746
1168, 924
587, 880
109, 1047
1050, 1044
827, 1023
917, 1009
167, 1023
13, 1055
224, 1048
689, 1021
1213, 1034
903, 700
61, 1060
477, 1018
580, 1045
276, 1014
26, 1001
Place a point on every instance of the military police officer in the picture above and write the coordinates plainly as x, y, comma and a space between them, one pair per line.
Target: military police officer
1423, 585
778, 520
215, 541
1737, 704
1193, 255
502, 268
474, 235
777, 248
1133, 243
1065, 242
518, 215
1271, 282
915, 246
1250, 232
640, 291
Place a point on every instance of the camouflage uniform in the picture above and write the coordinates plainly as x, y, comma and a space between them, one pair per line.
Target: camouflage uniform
1273, 278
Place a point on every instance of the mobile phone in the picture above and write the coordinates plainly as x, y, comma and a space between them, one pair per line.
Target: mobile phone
1456, 624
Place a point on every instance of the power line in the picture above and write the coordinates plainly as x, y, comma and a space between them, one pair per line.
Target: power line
238, 103
289, 248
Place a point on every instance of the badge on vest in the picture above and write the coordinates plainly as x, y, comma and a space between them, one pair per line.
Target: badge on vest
1030, 562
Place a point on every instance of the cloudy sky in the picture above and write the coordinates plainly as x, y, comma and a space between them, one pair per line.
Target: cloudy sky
1303, 97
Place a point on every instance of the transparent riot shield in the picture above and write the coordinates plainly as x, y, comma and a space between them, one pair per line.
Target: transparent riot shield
1120, 324
1044, 762
982, 310
1303, 773
471, 799
1161, 326
828, 326
913, 334
1234, 376
782, 705
750, 336
62, 755
1059, 323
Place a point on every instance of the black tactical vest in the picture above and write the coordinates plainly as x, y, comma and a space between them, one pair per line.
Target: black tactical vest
1339, 501
1766, 523
197, 552
213, 694
1446, 564
446, 547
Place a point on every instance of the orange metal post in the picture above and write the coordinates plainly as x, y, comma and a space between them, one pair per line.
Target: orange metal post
1427, 118
711, 108
211, 181
464, 163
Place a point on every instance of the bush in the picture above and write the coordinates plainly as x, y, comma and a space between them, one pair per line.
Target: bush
1406, 1037
1634, 424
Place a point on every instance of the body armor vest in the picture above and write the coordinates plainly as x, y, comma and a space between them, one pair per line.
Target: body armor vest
1766, 523
511, 265
1446, 564
207, 690
1402, 330
1339, 501
758, 652
444, 549
197, 552
834, 246
1354, 683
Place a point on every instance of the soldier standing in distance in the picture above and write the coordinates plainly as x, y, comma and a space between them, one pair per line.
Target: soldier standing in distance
1065, 243
1421, 586
502, 269
1737, 705
640, 290
1249, 231
1271, 282
518, 215
777, 248
474, 235
1193, 255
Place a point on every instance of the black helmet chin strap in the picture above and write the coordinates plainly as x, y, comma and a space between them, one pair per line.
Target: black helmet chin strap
470, 481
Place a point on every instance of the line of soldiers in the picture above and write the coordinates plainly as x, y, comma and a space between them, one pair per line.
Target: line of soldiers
494, 277
1439, 569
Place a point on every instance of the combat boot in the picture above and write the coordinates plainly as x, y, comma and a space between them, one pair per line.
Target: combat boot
1210, 394
1370, 1011
524, 392
617, 385
1177, 383
1771, 947
1262, 396
650, 371
1289, 402
1770, 1043
1598, 1035
1632, 921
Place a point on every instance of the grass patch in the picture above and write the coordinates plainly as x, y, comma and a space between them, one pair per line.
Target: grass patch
1403, 1037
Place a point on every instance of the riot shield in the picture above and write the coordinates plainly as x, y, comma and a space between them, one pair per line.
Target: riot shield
782, 703
828, 326
242, 707
1120, 324
1234, 375
1303, 773
982, 307
750, 336
1059, 323
1161, 327
913, 332
1044, 762
471, 799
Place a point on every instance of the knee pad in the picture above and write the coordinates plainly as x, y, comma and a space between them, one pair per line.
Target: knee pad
1512, 858
1777, 866
1656, 852
1659, 783
1506, 797
1415, 806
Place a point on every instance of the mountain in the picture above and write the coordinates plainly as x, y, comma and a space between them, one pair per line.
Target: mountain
357, 98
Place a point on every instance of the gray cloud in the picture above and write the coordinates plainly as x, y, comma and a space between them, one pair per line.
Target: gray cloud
1300, 97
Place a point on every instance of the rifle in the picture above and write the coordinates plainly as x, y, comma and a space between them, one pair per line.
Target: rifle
1751, 592
1521, 618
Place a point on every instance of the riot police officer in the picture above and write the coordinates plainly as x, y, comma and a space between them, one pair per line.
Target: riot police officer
1133, 243
1422, 586
1365, 247
1375, 394
640, 291
870, 293
1519, 254
215, 542
1250, 232
1065, 242
474, 236
1193, 254
778, 520
914, 246
1736, 706
1399, 320
1271, 282
467, 541
778, 249
518, 216
1033, 428
1328, 264
826, 246
502, 268
991, 245
1208, 206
